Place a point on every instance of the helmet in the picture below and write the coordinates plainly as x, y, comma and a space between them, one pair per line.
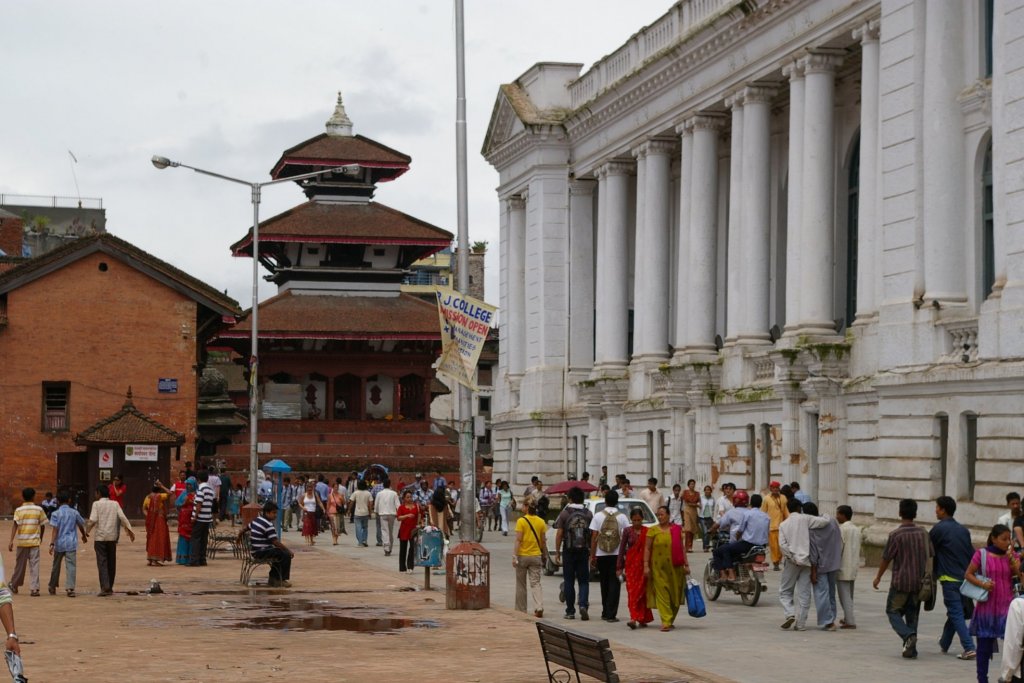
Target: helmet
740, 499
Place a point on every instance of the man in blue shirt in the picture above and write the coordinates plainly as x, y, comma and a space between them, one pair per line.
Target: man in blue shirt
66, 523
265, 545
953, 552
798, 493
749, 525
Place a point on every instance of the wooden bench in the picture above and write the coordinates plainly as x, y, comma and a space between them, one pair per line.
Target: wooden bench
249, 563
577, 652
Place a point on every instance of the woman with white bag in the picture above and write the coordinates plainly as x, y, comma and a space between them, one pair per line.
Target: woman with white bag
992, 569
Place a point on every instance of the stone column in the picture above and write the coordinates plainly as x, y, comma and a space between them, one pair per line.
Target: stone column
817, 211
943, 149
613, 271
734, 282
639, 250
516, 323
600, 291
581, 276
595, 442
701, 273
867, 220
682, 322
652, 261
756, 211
794, 188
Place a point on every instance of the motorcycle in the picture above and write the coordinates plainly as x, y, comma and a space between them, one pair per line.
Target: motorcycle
750, 570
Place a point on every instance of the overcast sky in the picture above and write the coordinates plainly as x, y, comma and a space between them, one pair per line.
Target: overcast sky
229, 85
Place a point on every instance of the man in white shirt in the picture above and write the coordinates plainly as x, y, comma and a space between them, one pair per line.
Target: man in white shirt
386, 506
1012, 643
849, 565
1013, 503
652, 496
108, 519
724, 503
795, 543
604, 553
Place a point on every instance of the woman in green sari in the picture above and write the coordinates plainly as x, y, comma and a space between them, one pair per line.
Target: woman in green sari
665, 567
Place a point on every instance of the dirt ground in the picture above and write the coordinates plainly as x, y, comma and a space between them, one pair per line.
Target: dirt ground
336, 621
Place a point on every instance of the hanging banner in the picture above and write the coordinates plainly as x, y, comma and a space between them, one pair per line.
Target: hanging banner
465, 322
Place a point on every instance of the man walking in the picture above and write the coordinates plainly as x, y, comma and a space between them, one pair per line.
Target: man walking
826, 558
652, 496
202, 518
907, 551
107, 518
362, 505
573, 533
608, 525
774, 506
386, 505
849, 564
66, 523
953, 552
795, 583
27, 530
265, 545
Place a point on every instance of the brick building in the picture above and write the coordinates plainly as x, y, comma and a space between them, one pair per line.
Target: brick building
78, 327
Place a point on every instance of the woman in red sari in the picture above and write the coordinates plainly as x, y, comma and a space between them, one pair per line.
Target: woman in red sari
631, 561
158, 536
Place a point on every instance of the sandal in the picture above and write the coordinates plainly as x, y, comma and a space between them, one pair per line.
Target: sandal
631, 625
970, 654
665, 628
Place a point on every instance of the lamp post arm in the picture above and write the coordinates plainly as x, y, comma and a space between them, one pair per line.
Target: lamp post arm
217, 175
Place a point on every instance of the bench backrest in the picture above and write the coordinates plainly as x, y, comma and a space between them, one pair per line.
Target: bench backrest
578, 651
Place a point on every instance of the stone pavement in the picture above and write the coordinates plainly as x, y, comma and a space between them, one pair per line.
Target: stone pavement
735, 641
350, 616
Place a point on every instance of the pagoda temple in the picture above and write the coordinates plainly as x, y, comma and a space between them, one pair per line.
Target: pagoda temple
345, 374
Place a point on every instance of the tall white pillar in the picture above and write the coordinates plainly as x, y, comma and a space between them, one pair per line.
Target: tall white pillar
756, 211
581, 275
794, 189
639, 248
701, 272
867, 193
682, 322
944, 219
652, 254
516, 322
817, 212
734, 282
613, 272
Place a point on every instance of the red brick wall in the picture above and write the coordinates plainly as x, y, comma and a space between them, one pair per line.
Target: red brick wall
11, 236
100, 331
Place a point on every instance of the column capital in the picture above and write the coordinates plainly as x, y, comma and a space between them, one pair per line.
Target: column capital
759, 93
581, 187
821, 61
639, 152
617, 167
793, 70
735, 100
517, 202
684, 127
868, 32
712, 121
659, 146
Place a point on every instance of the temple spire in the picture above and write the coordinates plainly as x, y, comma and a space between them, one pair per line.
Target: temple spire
339, 125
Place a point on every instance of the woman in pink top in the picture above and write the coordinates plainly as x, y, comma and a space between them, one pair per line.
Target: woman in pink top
989, 620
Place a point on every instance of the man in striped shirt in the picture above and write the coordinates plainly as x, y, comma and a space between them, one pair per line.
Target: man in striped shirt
202, 518
907, 551
265, 545
29, 520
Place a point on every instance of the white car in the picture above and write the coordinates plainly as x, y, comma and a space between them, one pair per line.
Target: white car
595, 505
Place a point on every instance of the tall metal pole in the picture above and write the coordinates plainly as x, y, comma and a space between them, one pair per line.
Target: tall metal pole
254, 358
467, 459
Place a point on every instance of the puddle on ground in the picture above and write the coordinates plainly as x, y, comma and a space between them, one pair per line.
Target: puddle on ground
286, 591
294, 613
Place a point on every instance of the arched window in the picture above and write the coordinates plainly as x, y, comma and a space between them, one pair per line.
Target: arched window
988, 248
852, 207
969, 443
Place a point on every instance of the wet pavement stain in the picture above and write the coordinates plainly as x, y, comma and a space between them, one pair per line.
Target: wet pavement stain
292, 613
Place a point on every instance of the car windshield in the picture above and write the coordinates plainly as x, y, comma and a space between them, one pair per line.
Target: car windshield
625, 506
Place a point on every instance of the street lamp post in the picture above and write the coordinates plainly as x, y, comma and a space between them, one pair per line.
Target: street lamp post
256, 190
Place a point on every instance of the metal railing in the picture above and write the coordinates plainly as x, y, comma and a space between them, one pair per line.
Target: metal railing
53, 201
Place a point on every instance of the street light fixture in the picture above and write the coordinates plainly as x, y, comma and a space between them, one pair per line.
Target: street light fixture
256, 190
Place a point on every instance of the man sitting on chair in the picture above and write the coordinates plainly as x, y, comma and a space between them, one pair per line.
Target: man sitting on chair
266, 545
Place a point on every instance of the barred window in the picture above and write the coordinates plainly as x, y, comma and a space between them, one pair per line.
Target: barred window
56, 397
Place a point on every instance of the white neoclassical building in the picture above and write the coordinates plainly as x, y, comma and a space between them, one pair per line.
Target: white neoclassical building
772, 239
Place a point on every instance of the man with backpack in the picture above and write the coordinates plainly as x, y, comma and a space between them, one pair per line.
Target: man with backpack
573, 528
608, 525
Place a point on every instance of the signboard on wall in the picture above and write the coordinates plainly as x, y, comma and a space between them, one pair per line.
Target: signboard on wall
106, 458
141, 453
167, 385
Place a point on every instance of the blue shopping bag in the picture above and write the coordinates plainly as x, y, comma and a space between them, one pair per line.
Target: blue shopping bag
694, 599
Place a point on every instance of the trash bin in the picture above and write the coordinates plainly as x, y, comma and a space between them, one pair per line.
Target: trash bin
469, 577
